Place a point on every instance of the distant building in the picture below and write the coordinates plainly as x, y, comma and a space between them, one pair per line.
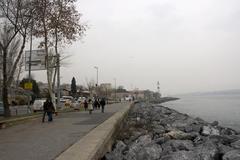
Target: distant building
107, 86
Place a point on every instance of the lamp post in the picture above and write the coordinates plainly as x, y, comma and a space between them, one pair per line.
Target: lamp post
97, 74
97, 78
115, 83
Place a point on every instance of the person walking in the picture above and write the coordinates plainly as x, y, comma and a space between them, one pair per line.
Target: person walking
50, 109
95, 104
102, 103
90, 106
44, 111
98, 103
85, 104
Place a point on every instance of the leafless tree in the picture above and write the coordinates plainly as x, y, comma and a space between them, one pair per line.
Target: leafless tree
17, 17
90, 85
57, 21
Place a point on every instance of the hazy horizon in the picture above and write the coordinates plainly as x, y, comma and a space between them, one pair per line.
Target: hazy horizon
188, 46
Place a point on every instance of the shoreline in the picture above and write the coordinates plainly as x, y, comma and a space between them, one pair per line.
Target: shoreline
152, 131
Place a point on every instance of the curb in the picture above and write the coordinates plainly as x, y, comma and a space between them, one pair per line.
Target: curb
98, 141
10, 122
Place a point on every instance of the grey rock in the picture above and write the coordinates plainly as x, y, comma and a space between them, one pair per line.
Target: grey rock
149, 152
220, 139
139, 143
232, 155
161, 140
209, 130
181, 155
177, 134
236, 144
116, 154
214, 123
228, 131
158, 129
207, 151
177, 145
224, 149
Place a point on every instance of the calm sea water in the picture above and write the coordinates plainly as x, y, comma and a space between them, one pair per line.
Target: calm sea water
223, 107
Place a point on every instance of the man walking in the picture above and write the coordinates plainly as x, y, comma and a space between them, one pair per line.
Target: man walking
49, 109
44, 111
102, 103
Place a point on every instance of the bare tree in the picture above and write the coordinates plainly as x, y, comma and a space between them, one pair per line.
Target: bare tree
90, 85
57, 22
17, 17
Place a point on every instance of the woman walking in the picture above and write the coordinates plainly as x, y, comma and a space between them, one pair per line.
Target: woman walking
90, 106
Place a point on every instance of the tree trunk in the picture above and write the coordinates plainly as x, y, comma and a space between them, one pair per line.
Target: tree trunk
4, 87
49, 74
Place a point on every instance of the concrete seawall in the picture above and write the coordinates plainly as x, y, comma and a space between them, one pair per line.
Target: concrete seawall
97, 142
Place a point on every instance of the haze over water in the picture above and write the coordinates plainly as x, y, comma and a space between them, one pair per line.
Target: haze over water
222, 106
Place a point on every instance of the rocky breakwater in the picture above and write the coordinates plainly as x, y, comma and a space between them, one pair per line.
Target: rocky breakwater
152, 132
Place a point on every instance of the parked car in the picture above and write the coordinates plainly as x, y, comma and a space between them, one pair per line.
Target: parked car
68, 103
38, 105
81, 99
1, 108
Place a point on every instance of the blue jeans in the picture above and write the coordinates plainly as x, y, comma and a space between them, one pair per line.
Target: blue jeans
50, 119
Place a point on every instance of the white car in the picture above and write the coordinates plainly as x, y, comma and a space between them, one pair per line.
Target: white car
38, 105
81, 99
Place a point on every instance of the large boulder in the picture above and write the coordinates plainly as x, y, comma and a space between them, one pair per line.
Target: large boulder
232, 155
117, 153
177, 145
223, 149
209, 130
207, 151
236, 144
139, 143
149, 152
158, 129
177, 134
181, 155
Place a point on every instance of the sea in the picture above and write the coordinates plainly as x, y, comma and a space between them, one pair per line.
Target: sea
221, 106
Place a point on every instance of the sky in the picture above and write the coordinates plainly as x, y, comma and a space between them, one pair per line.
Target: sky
187, 45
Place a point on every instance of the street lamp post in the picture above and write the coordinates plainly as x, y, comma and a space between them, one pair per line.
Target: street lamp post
115, 83
97, 79
97, 74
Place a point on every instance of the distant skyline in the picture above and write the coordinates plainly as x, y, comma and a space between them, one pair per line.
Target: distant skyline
188, 46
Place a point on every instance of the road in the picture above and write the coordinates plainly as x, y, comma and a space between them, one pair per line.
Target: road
44, 141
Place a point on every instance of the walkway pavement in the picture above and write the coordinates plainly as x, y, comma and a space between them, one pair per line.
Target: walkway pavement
44, 141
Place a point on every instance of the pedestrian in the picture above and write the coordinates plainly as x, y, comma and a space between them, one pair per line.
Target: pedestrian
44, 111
85, 104
90, 106
49, 109
98, 103
102, 103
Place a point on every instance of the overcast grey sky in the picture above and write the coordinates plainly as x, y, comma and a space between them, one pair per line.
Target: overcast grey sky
186, 45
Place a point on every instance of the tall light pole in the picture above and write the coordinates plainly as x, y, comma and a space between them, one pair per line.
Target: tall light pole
97, 74
115, 84
97, 79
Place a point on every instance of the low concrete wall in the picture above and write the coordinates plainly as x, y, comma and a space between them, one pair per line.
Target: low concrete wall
98, 141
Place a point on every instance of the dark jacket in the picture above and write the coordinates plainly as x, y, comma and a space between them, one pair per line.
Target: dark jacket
48, 106
102, 102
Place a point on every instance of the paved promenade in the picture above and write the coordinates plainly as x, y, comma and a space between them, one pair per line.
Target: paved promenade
37, 141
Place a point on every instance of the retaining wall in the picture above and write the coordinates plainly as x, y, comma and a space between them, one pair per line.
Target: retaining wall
97, 142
